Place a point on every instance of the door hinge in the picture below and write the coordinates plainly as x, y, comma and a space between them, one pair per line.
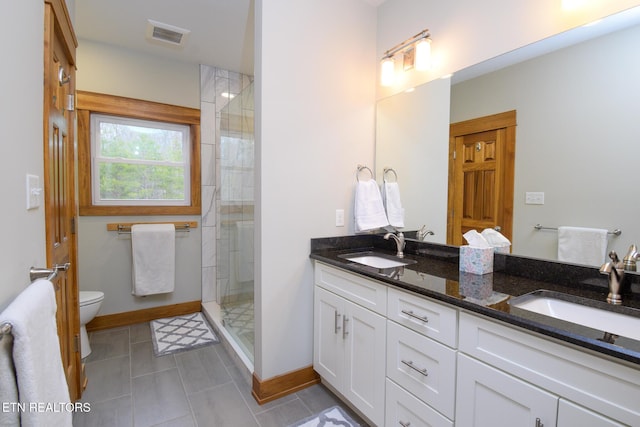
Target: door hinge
73, 225
76, 343
454, 155
71, 103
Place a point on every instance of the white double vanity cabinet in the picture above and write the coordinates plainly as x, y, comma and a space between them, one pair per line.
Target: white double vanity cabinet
403, 359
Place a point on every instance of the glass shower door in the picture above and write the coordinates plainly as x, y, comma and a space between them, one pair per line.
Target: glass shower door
235, 198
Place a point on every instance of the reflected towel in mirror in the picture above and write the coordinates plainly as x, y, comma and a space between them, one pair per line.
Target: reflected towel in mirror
580, 245
393, 204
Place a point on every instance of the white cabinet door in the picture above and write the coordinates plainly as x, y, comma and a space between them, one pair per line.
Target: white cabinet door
366, 360
489, 397
349, 351
328, 352
571, 415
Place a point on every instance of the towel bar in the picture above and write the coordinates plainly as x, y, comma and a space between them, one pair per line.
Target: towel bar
615, 232
5, 329
125, 228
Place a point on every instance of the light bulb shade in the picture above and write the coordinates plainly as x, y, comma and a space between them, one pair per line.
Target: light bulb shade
423, 54
387, 69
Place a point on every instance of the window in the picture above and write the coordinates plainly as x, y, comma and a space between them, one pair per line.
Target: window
137, 157
139, 162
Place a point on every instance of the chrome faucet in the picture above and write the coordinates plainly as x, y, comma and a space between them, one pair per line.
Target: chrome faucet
615, 270
423, 232
629, 261
400, 243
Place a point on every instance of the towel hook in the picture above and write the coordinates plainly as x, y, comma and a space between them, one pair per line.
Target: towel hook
360, 168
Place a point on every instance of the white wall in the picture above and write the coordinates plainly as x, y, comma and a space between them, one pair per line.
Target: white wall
23, 233
104, 257
107, 69
575, 139
465, 32
315, 93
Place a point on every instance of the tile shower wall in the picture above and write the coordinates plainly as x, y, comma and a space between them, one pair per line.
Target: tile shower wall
214, 84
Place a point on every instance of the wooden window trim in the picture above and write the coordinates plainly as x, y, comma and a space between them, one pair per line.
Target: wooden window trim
87, 103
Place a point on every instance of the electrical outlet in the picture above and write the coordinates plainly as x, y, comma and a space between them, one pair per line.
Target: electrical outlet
534, 198
339, 217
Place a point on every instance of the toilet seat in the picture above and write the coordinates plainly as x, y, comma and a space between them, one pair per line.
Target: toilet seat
90, 297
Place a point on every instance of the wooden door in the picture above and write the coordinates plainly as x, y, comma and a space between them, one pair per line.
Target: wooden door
59, 181
481, 173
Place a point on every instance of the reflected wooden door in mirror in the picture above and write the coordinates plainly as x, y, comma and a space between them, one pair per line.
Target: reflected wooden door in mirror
481, 176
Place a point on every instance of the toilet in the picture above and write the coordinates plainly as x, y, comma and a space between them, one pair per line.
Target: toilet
90, 302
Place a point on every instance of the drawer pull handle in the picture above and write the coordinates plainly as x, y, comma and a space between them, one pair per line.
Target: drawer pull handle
345, 330
415, 316
409, 363
336, 326
407, 424
539, 423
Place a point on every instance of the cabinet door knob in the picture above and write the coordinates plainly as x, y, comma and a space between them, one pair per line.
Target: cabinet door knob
539, 423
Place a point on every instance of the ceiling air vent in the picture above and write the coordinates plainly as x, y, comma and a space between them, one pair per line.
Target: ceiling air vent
166, 34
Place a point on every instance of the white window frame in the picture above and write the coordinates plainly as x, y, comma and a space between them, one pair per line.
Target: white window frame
97, 159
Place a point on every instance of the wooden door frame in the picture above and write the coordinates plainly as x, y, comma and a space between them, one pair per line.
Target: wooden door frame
505, 120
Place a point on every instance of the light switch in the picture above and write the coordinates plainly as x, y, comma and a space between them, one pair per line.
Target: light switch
33, 191
339, 217
534, 198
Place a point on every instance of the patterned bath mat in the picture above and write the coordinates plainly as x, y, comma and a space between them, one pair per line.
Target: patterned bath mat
330, 417
181, 333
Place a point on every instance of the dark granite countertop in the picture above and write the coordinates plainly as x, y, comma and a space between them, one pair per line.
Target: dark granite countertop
435, 275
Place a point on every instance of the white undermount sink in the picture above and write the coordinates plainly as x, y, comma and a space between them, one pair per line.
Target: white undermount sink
377, 260
553, 305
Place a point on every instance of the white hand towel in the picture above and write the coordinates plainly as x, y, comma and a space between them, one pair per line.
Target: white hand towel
36, 356
368, 209
8, 382
154, 259
579, 245
392, 203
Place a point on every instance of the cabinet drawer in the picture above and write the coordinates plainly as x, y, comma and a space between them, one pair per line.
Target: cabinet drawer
424, 316
607, 387
404, 409
422, 366
362, 291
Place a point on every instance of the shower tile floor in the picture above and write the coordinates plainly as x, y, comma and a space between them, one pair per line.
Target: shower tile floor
129, 386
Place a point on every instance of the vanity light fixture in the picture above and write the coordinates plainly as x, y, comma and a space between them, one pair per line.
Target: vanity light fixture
416, 53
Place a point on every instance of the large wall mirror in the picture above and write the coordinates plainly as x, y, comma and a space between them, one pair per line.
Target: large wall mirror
577, 135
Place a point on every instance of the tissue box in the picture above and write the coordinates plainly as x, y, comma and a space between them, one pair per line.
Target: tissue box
476, 260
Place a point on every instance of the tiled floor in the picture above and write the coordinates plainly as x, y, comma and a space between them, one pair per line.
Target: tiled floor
129, 386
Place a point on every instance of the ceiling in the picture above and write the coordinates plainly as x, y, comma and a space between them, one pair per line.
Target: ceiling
222, 31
